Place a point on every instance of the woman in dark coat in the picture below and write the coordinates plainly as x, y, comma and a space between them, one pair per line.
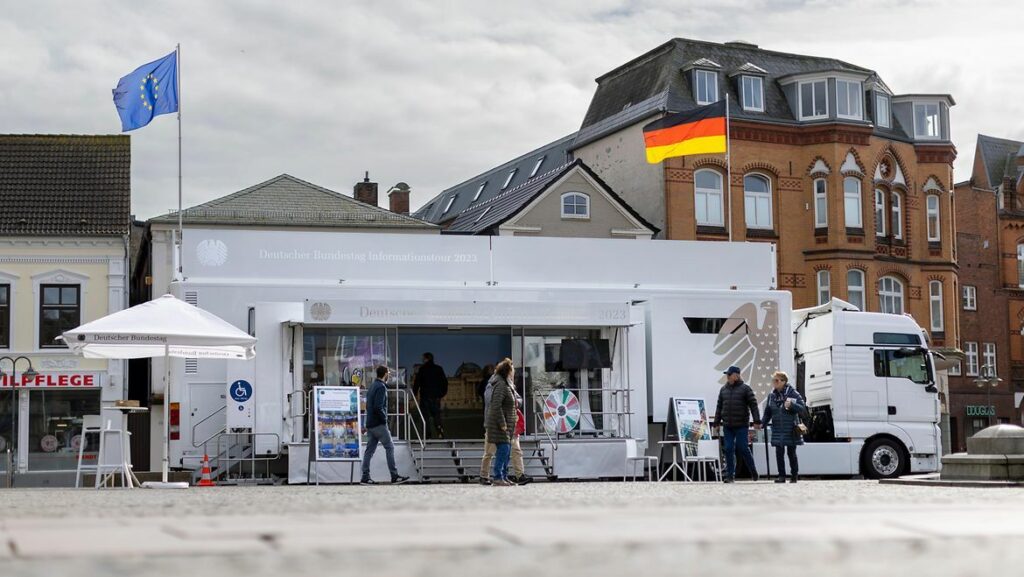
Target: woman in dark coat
501, 421
782, 410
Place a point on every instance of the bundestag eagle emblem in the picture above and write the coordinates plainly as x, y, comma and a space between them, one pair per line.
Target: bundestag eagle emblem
320, 311
751, 345
212, 252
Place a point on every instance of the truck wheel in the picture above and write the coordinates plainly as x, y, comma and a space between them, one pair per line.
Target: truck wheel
884, 459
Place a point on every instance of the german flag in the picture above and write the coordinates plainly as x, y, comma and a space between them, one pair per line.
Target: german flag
699, 131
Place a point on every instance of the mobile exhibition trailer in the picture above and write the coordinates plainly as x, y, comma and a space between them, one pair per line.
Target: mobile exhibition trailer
624, 326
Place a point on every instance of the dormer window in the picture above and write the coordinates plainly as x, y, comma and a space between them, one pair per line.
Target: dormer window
482, 214
926, 120
883, 116
813, 101
848, 99
753, 93
536, 167
508, 180
706, 83
480, 190
448, 206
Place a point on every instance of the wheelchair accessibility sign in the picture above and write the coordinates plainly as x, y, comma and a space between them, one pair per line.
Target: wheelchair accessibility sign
240, 405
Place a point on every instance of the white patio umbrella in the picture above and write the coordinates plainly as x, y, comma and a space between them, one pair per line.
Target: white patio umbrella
165, 327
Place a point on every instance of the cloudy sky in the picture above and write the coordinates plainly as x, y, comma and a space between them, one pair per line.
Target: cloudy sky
434, 92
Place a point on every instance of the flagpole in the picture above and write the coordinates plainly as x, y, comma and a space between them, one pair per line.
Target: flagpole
177, 79
728, 165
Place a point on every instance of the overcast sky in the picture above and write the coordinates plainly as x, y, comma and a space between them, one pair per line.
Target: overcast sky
435, 92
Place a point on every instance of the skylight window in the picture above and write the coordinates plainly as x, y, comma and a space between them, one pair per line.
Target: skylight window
486, 210
479, 190
448, 206
536, 167
509, 179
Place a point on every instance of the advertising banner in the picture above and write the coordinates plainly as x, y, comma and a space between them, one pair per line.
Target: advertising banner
336, 417
691, 420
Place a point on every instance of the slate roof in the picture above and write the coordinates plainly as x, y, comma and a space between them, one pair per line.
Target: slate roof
653, 83
554, 154
288, 201
65, 185
497, 210
998, 156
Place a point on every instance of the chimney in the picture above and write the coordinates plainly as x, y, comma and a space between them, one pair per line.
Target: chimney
365, 191
398, 198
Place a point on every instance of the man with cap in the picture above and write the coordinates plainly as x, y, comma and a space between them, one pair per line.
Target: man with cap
735, 401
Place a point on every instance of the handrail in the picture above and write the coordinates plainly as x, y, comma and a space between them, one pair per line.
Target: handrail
410, 420
207, 418
253, 458
540, 424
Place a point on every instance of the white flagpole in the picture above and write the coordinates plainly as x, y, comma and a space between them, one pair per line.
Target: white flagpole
177, 77
728, 166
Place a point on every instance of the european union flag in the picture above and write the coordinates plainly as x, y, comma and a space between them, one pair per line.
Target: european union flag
151, 90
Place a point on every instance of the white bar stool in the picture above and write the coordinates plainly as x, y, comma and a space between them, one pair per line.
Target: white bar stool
91, 425
106, 469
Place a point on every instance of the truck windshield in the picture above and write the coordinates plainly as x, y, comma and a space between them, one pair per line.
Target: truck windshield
909, 363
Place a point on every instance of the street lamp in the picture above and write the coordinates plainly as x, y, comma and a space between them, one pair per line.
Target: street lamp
988, 380
30, 373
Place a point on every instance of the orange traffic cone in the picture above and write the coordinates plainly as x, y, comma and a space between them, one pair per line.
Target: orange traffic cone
206, 481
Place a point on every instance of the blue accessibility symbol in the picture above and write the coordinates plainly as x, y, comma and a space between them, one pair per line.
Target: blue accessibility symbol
241, 391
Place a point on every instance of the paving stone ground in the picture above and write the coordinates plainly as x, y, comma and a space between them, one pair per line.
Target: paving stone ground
622, 529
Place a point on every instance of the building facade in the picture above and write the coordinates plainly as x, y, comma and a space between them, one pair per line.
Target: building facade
64, 233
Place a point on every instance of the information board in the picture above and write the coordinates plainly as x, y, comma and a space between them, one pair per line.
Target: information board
336, 418
240, 405
688, 420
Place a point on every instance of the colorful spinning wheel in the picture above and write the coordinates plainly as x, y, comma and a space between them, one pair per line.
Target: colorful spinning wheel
561, 411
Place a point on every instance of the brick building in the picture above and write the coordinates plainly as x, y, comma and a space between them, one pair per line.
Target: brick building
990, 243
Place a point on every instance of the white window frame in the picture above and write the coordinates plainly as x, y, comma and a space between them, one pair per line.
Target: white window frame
710, 90
954, 369
969, 297
854, 94
586, 204
755, 197
56, 276
12, 281
448, 206
814, 100
883, 120
859, 289
820, 202
1020, 265
971, 352
479, 191
879, 212
856, 196
918, 133
988, 356
935, 306
508, 180
756, 83
706, 193
933, 213
536, 167
890, 296
896, 214
824, 287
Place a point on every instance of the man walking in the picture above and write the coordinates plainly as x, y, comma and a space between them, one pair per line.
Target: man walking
431, 385
735, 401
377, 428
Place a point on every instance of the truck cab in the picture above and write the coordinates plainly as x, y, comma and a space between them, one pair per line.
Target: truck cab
869, 380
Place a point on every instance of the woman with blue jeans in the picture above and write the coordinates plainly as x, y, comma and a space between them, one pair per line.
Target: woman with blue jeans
500, 421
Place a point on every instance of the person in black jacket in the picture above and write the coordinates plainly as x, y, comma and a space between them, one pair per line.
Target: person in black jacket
431, 385
735, 401
377, 428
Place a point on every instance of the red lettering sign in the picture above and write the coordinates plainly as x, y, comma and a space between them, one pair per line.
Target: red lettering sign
49, 380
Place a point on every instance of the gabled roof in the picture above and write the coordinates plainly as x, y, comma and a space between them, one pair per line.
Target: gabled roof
493, 181
288, 201
998, 157
499, 209
655, 82
65, 185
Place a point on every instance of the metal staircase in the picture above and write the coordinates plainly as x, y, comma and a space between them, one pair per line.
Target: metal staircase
459, 460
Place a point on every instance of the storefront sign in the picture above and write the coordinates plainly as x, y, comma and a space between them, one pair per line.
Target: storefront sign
336, 418
473, 313
51, 380
981, 411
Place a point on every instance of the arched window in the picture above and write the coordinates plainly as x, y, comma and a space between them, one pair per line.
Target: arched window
851, 202
707, 197
757, 201
890, 294
824, 287
933, 218
820, 203
855, 288
575, 205
896, 214
935, 302
879, 213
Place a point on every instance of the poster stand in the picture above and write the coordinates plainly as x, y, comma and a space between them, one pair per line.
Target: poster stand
687, 424
335, 429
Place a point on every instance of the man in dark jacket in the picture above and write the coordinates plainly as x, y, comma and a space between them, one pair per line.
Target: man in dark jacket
377, 427
431, 385
735, 401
